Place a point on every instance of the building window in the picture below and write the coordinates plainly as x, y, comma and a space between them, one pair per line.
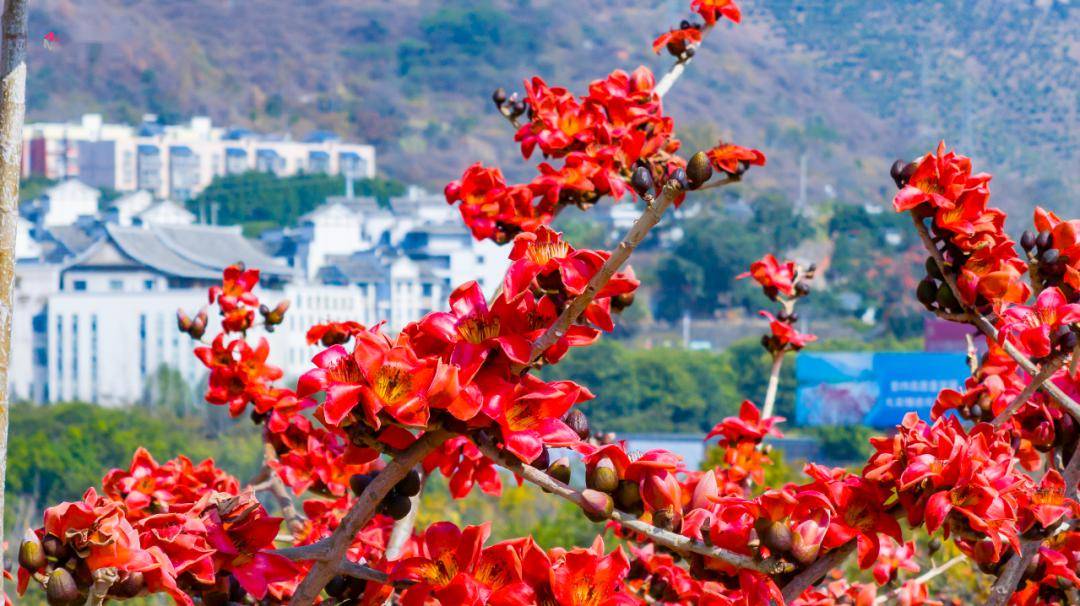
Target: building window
75, 352
116, 285
142, 345
93, 358
79, 285
426, 290
148, 284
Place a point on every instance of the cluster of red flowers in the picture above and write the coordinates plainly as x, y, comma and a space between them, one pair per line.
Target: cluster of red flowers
941, 186
598, 137
785, 283
177, 528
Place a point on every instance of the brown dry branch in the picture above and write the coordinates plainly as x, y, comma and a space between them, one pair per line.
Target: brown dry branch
816, 571
659, 536
328, 565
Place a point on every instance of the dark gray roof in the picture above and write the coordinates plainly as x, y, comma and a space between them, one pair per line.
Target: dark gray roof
216, 247
361, 267
73, 238
147, 248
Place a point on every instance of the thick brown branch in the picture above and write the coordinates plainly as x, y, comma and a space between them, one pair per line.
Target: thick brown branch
816, 571
361, 512
671, 540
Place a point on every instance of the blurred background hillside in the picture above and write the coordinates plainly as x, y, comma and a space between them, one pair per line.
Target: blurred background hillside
847, 83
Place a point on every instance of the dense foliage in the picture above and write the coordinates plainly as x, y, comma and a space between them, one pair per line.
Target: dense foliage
259, 200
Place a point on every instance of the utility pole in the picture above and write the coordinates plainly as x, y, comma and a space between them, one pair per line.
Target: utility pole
13, 22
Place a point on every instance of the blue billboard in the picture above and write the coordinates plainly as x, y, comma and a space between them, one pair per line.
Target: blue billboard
873, 389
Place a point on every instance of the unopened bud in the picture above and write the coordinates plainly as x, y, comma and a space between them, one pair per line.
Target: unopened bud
934, 545
183, 321
698, 170
359, 482
602, 476
596, 505
131, 586
1044, 240
578, 422
499, 96
1050, 256
895, 172
641, 180
31, 553
628, 496
1027, 241
664, 518
410, 484
776, 536
396, 505
679, 178
198, 325
542, 460
560, 470
60, 588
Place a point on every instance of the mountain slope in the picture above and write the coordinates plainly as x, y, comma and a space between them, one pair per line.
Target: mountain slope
414, 77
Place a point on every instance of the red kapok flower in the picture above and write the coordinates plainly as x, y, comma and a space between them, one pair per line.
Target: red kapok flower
733, 159
773, 276
713, 10
678, 40
1032, 328
587, 577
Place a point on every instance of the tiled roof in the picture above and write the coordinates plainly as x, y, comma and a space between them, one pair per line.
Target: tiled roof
147, 248
216, 247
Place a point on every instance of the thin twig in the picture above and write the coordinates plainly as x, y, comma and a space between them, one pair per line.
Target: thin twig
676, 542
1048, 370
922, 579
274, 484
774, 384
361, 512
816, 571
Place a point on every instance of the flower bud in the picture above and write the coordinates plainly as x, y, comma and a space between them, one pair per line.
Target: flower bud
602, 476
1044, 240
60, 588
1027, 241
596, 505
359, 482
628, 496
577, 421
926, 292
31, 553
641, 180
198, 325
131, 586
908, 172
946, 300
410, 484
1050, 256
499, 96
934, 545
698, 170
679, 177
895, 172
560, 470
664, 518
776, 536
396, 505
542, 461
183, 321
54, 548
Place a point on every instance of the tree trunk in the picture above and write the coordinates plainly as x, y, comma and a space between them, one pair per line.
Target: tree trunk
12, 110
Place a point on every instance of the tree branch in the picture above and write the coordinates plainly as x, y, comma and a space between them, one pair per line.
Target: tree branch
774, 384
816, 571
671, 540
361, 512
1047, 371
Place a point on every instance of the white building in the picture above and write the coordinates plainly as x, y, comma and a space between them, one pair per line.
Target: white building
97, 295
178, 161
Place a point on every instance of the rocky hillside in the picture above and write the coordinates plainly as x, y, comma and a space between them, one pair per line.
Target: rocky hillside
847, 83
